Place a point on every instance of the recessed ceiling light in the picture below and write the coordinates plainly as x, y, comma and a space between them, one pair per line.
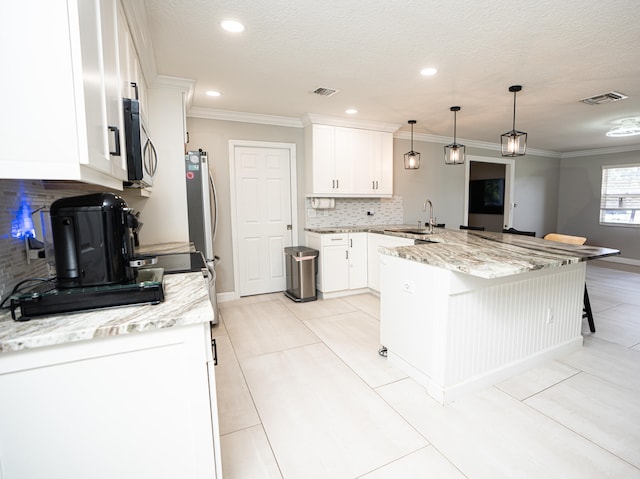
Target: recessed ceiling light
351, 111
213, 93
428, 71
232, 26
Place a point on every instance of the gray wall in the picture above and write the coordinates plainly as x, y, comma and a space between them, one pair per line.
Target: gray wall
543, 205
213, 136
579, 203
535, 190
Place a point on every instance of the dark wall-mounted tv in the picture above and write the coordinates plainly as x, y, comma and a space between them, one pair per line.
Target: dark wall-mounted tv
486, 196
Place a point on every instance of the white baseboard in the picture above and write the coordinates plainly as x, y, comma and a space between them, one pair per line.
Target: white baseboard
445, 394
619, 259
222, 297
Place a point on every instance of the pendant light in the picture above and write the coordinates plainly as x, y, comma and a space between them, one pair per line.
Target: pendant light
412, 158
514, 142
454, 154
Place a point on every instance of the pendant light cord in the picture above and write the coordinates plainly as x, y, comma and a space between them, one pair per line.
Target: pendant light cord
455, 113
514, 110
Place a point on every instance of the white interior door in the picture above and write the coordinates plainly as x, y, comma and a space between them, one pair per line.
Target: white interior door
263, 217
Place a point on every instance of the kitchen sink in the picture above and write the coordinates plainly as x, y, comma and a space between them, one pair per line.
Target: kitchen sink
412, 231
424, 241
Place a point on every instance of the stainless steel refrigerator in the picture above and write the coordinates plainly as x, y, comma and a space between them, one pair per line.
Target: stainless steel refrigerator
202, 207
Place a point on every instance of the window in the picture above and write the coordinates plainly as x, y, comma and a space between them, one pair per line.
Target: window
620, 195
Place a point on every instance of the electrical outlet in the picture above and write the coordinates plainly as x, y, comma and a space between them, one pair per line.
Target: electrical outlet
409, 287
549, 315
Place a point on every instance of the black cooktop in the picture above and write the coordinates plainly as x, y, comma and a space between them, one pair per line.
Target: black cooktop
179, 262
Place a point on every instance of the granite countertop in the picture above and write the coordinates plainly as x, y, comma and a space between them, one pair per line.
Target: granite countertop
186, 301
479, 253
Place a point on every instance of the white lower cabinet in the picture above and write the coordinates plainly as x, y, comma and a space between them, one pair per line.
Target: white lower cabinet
342, 261
139, 405
373, 257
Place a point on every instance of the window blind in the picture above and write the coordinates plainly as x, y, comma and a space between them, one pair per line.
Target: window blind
620, 195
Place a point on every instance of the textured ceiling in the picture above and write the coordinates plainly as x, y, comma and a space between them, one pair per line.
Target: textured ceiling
372, 52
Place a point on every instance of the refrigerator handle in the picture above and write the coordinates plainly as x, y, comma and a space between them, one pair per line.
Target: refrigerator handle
215, 206
205, 176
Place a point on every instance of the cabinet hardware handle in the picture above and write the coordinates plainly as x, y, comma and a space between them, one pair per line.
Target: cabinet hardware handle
135, 88
351, 243
376, 185
338, 184
373, 185
346, 254
214, 346
116, 139
187, 137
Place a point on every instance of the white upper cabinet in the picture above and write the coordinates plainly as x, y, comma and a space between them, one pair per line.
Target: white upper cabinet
62, 109
132, 82
343, 161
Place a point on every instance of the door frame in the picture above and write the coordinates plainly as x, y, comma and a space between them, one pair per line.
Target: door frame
293, 191
509, 183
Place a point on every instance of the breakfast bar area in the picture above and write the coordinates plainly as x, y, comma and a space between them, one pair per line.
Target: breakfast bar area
471, 309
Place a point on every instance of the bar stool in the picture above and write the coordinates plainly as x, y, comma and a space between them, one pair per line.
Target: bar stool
514, 231
586, 305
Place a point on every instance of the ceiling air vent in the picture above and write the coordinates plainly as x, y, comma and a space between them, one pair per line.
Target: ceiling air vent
324, 91
604, 98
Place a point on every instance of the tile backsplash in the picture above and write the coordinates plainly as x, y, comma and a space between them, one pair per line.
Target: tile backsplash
353, 211
13, 257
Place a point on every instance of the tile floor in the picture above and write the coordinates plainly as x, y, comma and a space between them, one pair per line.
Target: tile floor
302, 393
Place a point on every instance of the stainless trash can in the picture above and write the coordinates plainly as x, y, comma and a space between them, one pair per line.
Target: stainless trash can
301, 264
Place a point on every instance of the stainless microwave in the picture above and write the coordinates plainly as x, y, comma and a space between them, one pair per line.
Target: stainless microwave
142, 158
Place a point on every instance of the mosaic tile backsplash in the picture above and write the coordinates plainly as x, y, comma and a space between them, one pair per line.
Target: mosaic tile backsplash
13, 256
353, 211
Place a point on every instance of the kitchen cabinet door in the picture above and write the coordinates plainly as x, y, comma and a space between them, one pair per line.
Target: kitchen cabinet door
383, 163
61, 111
374, 164
130, 70
322, 143
334, 261
347, 150
116, 147
136, 405
358, 260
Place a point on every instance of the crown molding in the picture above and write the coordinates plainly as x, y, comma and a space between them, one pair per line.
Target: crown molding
310, 118
313, 118
185, 85
485, 145
176, 83
228, 115
600, 151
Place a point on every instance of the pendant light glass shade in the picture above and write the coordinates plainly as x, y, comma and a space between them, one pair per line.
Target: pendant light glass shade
412, 158
514, 142
454, 154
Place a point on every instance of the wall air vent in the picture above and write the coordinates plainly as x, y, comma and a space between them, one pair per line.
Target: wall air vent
324, 91
604, 98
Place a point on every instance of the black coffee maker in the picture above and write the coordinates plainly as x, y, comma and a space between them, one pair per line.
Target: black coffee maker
93, 240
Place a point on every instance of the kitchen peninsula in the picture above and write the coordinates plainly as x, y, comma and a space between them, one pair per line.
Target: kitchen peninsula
473, 308
466, 309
